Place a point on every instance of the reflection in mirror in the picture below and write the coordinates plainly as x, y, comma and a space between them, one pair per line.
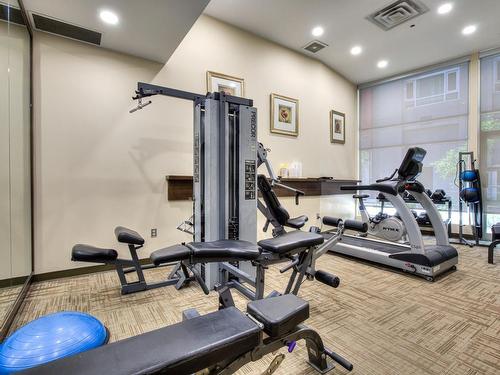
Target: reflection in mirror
15, 168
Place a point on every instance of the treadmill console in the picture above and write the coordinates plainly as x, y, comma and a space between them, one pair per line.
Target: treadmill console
411, 166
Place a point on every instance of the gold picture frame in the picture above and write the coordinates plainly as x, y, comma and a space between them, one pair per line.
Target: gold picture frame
231, 85
337, 127
284, 115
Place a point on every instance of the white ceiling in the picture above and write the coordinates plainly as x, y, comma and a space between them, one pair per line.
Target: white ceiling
435, 38
151, 29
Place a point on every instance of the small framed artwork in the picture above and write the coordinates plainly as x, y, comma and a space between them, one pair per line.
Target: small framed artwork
337, 127
284, 115
218, 82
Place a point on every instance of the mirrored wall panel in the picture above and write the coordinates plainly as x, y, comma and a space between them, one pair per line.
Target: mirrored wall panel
15, 168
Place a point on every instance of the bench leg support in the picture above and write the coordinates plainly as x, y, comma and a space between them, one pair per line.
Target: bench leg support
491, 249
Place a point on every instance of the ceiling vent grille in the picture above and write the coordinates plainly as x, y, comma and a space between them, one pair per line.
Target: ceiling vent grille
397, 13
315, 46
67, 30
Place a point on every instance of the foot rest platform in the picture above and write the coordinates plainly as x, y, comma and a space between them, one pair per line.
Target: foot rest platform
182, 348
128, 236
280, 314
87, 253
201, 252
290, 241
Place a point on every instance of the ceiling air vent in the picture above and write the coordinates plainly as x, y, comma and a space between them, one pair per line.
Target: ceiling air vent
53, 26
397, 13
315, 46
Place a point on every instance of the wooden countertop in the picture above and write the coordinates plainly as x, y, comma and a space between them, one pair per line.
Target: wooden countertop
181, 187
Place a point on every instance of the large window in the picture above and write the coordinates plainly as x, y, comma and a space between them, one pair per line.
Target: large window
490, 138
428, 110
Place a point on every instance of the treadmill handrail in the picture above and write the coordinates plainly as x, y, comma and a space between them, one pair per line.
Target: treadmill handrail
388, 178
383, 188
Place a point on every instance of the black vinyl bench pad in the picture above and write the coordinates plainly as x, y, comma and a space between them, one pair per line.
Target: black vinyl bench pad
495, 232
182, 348
87, 253
290, 241
280, 314
213, 251
128, 236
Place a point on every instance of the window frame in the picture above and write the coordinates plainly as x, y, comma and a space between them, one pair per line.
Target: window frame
412, 102
496, 74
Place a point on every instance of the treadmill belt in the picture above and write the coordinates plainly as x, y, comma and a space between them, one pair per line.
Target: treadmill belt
375, 245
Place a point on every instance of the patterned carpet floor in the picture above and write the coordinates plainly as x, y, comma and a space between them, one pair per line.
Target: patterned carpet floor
384, 322
8, 296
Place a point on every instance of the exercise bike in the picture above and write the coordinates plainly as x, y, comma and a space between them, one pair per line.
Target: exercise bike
385, 226
382, 225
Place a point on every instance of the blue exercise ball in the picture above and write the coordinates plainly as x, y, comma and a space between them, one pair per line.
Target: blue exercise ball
470, 195
49, 338
469, 175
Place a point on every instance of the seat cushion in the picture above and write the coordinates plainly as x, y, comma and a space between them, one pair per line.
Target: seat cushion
290, 241
182, 348
129, 236
297, 222
87, 253
169, 254
279, 314
495, 232
223, 250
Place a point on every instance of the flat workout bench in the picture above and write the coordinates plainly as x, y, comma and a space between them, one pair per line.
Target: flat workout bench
495, 241
222, 342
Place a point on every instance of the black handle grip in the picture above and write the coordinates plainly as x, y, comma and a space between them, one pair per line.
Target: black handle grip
339, 359
358, 226
331, 221
327, 278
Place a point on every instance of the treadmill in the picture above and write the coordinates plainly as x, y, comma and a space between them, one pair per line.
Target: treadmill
417, 258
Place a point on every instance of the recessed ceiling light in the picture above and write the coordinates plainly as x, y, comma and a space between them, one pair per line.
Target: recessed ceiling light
445, 8
109, 17
317, 31
382, 64
467, 30
356, 50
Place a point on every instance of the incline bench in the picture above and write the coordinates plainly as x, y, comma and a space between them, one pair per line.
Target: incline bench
220, 343
495, 241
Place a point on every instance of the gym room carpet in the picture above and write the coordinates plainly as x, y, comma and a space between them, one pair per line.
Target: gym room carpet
382, 321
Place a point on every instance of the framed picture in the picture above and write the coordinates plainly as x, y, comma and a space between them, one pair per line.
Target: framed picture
218, 82
284, 115
337, 127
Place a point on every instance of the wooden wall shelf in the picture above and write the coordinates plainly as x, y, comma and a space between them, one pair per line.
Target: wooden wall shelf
181, 187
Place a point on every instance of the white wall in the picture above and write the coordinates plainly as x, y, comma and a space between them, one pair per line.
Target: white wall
97, 166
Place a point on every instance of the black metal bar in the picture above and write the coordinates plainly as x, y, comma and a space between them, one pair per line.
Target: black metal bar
147, 89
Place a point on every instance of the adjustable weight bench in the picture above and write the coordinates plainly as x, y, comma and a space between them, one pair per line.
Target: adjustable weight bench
218, 343
184, 257
495, 241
